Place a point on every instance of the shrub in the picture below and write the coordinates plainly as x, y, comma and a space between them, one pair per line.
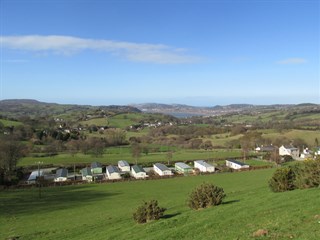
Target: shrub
307, 174
282, 180
206, 195
148, 211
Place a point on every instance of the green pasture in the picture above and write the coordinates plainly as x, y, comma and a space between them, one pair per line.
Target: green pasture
8, 123
96, 121
113, 155
307, 135
104, 211
119, 121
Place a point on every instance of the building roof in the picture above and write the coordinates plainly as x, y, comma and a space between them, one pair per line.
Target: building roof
62, 172
203, 163
267, 148
96, 165
86, 171
161, 166
34, 175
112, 169
290, 147
237, 162
182, 165
137, 168
123, 163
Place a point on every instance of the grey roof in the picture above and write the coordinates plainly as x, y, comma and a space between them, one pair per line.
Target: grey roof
161, 166
62, 172
203, 163
237, 162
123, 163
112, 169
267, 148
291, 147
86, 171
182, 165
137, 168
96, 165
34, 175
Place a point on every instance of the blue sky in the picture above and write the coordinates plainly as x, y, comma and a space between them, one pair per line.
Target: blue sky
199, 53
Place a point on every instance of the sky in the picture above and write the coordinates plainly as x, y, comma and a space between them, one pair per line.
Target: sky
195, 52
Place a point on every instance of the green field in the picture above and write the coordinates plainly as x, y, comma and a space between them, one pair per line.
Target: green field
114, 154
119, 121
306, 135
104, 211
8, 123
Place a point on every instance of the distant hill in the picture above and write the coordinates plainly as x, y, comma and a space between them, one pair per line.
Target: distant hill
185, 110
17, 108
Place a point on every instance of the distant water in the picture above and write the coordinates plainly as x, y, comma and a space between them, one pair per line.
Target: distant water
184, 115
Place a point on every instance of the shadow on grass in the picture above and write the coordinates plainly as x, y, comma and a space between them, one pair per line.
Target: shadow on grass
230, 202
167, 216
52, 199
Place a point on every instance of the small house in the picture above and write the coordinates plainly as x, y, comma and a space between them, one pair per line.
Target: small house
162, 169
203, 166
291, 151
124, 166
306, 153
61, 175
236, 164
86, 174
183, 168
96, 168
138, 172
34, 176
113, 172
317, 151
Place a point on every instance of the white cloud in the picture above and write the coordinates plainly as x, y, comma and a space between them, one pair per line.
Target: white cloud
292, 61
14, 61
138, 52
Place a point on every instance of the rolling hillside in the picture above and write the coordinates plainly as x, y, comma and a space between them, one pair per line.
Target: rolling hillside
104, 211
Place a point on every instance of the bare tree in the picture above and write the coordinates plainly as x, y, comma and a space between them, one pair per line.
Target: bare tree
136, 151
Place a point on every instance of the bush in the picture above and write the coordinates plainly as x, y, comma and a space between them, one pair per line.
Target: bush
307, 174
206, 195
148, 211
282, 180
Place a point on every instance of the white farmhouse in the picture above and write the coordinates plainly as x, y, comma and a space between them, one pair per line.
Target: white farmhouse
113, 173
236, 164
162, 169
138, 172
203, 166
61, 175
291, 151
124, 166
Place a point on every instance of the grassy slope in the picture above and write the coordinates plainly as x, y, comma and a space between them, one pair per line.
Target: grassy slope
8, 123
114, 154
119, 120
307, 135
103, 211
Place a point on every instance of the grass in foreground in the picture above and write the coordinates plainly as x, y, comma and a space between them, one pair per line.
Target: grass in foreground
104, 211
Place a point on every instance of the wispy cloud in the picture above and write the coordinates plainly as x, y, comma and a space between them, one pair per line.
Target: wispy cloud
67, 45
14, 61
292, 61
